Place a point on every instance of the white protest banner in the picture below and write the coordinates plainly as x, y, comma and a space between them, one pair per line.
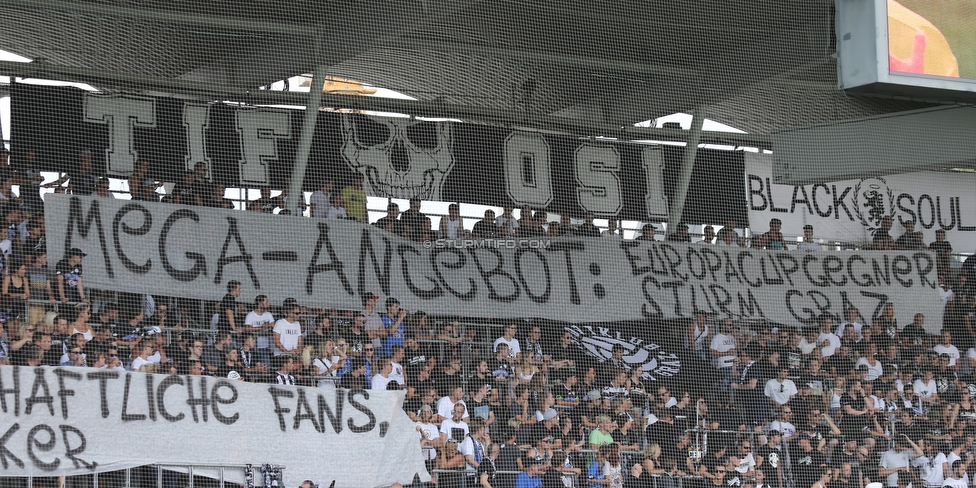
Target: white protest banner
193, 252
850, 210
74, 421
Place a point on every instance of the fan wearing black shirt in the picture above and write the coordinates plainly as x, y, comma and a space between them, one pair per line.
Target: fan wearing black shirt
229, 308
844, 477
847, 454
853, 406
821, 429
841, 363
769, 459
806, 461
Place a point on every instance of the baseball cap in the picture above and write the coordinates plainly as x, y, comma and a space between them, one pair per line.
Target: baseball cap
593, 395
550, 414
74, 251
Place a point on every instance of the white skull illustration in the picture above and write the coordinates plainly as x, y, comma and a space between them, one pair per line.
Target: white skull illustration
398, 157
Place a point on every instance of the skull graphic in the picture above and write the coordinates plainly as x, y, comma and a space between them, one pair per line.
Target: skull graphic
398, 157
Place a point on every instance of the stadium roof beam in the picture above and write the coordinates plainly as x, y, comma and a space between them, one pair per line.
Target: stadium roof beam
113, 10
491, 116
544, 58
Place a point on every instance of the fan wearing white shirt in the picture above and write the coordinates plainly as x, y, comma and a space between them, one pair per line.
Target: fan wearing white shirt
925, 387
146, 350
827, 340
933, 466
383, 378
337, 209
781, 389
958, 478
260, 321
808, 245
946, 347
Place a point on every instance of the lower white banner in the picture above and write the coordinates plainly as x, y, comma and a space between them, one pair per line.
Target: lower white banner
75, 421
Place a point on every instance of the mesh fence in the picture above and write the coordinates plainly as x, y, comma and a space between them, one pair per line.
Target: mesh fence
517, 244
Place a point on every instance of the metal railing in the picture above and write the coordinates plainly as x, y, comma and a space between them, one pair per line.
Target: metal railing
160, 475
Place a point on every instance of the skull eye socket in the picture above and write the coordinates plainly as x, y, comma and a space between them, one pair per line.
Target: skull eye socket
423, 135
370, 132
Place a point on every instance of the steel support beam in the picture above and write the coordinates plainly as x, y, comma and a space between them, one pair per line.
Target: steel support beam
305, 143
687, 165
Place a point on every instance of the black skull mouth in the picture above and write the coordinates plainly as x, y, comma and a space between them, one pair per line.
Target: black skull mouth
401, 189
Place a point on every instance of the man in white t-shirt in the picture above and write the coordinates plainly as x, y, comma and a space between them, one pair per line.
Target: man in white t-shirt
958, 478
933, 466
382, 378
288, 334
145, 350
898, 458
337, 208
708, 235
781, 389
946, 347
723, 348
808, 245
506, 222
455, 427
514, 350
827, 341
319, 200
430, 435
396, 362
473, 449
260, 322
850, 326
374, 321
447, 404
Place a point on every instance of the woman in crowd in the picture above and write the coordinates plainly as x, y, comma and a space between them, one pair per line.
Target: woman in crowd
80, 325
612, 468
526, 370
15, 285
327, 363
596, 473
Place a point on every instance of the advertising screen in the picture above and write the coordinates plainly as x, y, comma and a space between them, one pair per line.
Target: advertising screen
932, 38
908, 48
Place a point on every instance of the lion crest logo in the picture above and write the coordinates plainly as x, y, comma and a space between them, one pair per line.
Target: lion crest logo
873, 201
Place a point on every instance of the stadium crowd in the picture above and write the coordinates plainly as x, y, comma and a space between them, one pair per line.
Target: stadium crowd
520, 404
